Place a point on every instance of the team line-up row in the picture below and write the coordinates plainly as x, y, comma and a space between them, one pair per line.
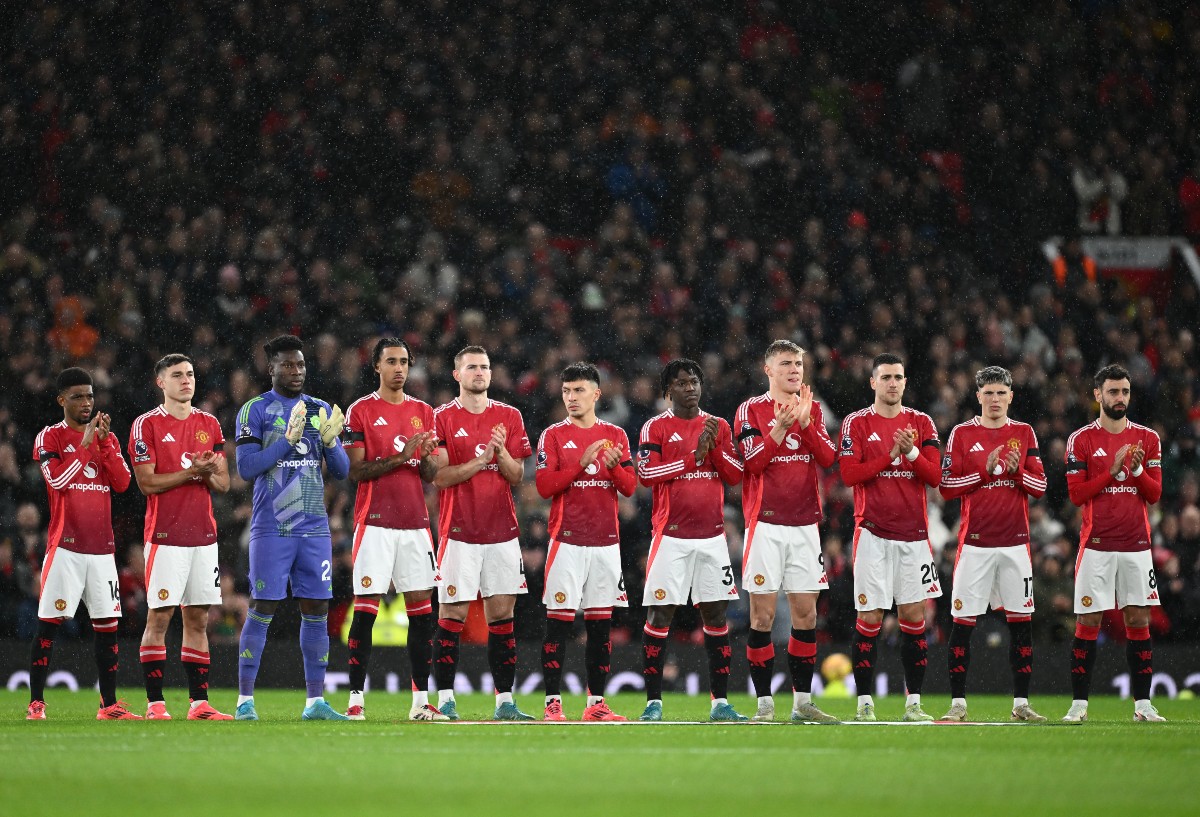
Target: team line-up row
473, 448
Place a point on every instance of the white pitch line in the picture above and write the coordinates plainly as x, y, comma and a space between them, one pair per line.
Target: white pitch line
727, 723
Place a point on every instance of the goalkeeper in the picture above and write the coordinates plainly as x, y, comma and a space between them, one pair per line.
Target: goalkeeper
282, 437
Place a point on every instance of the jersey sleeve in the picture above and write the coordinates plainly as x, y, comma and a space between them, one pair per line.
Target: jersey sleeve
517, 439
353, 434
115, 468
850, 446
816, 438
249, 424
141, 443
723, 456
651, 468
1082, 486
957, 480
551, 477
755, 447
218, 435
1149, 481
439, 429
1032, 474
58, 467
855, 470
926, 465
624, 476
928, 435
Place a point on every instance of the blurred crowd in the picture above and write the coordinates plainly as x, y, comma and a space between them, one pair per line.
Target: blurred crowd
614, 182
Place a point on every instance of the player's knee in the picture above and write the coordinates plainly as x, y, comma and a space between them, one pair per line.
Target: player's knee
1090, 619
871, 617
1137, 616
415, 597
762, 612
195, 619
805, 621
659, 617
263, 607
314, 607
712, 613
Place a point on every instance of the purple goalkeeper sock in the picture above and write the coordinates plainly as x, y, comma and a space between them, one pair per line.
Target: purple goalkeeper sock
250, 650
314, 646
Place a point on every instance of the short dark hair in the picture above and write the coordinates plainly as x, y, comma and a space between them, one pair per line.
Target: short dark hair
885, 359
171, 360
74, 376
581, 371
993, 374
283, 343
1113, 371
781, 346
468, 350
672, 370
384, 343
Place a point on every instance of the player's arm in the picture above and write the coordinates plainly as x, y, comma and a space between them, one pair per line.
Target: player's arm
856, 470
723, 458
336, 459
364, 470
553, 476
623, 474
757, 449
511, 467
511, 450
652, 468
1146, 470
816, 439
957, 480
927, 463
450, 475
252, 459
60, 470
217, 480
150, 481
1083, 487
114, 465
1031, 475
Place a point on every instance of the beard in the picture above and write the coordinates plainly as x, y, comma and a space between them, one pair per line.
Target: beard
1112, 413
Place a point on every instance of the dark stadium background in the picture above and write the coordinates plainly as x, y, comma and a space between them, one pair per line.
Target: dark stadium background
618, 182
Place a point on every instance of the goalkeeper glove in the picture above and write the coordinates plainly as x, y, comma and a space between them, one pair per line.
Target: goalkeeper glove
331, 425
295, 426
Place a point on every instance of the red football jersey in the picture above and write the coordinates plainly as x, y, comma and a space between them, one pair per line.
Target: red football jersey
583, 507
481, 510
79, 482
995, 509
689, 497
781, 481
396, 499
889, 497
182, 516
1114, 508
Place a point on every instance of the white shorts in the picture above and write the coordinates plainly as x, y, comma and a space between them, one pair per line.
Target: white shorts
583, 578
888, 570
1106, 579
181, 575
679, 566
69, 577
786, 557
1001, 577
384, 556
467, 572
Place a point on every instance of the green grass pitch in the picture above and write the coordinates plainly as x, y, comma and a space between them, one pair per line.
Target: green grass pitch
71, 764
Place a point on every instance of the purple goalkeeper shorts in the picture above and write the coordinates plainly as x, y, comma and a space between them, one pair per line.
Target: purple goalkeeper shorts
305, 561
